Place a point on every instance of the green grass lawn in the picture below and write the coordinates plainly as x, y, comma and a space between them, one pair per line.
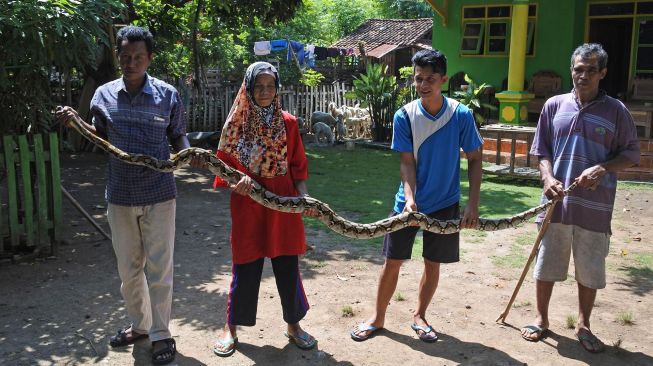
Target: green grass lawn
361, 184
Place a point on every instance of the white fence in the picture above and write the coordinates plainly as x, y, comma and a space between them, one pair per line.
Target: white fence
208, 111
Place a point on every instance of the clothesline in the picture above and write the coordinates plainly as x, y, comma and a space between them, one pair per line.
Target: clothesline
305, 54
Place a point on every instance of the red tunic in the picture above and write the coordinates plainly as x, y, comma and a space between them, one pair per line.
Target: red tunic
257, 231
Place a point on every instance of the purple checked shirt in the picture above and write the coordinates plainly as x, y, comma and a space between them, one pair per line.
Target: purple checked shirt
142, 124
575, 139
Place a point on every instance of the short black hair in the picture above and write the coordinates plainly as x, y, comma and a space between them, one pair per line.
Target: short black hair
132, 33
433, 58
587, 51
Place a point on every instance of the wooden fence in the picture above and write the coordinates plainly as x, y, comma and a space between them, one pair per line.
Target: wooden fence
207, 111
30, 194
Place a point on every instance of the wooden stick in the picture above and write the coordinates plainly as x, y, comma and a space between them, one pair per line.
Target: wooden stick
536, 247
83, 212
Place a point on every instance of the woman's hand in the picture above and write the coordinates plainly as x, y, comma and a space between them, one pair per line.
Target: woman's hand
310, 212
198, 161
244, 186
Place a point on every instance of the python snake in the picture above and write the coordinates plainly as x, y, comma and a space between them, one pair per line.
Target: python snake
325, 214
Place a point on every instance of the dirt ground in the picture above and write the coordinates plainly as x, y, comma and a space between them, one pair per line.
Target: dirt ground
60, 310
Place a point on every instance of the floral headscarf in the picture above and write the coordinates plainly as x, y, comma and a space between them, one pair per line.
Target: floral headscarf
256, 136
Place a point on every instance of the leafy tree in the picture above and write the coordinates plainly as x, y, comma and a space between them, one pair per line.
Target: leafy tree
39, 40
311, 78
405, 9
406, 93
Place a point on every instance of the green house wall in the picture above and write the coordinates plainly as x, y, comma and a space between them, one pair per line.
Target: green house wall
560, 28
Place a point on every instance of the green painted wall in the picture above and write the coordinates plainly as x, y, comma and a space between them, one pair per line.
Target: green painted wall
559, 29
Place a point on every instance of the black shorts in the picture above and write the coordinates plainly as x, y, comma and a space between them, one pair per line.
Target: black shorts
440, 248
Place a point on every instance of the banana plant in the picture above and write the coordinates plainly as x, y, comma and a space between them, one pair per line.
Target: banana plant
472, 99
375, 90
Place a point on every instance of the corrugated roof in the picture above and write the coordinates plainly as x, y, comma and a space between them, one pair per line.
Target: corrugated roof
378, 32
382, 50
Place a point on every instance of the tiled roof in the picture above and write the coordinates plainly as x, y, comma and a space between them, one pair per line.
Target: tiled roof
399, 32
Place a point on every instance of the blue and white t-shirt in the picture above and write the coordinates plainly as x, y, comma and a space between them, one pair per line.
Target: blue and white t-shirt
435, 142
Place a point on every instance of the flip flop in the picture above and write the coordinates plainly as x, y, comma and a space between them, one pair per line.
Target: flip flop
534, 329
424, 336
121, 340
595, 345
169, 352
303, 340
363, 327
228, 347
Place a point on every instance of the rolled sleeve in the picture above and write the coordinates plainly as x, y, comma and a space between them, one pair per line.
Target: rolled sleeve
177, 125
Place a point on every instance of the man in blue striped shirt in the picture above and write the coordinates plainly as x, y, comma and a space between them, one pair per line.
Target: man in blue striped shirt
586, 137
140, 114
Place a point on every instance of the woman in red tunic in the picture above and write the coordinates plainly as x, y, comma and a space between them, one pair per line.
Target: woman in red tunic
262, 141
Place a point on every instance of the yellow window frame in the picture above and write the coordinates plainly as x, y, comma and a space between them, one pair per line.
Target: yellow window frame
479, 38
506, 37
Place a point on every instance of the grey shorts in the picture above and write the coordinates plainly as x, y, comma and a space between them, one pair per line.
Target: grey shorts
590, 249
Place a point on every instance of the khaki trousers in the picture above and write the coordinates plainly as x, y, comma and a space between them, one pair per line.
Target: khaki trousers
143, 239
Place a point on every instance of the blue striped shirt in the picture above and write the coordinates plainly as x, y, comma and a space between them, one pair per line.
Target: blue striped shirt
142, 124
576, 138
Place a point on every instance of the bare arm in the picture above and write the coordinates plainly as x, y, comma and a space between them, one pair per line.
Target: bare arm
180, 143
474, 175
300, 185
552, 187
407, 169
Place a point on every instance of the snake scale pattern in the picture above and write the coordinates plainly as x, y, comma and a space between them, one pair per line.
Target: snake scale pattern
326, 215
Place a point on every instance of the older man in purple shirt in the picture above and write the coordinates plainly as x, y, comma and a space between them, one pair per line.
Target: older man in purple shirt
587, 137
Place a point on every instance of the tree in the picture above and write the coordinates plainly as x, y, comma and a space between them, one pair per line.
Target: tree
405, 9
40, 40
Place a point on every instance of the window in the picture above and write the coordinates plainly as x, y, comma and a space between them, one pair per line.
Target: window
645, 8
644, 63
473, 38
612, 9
486, 30
498, 12
474, 12
497, 37
530, 39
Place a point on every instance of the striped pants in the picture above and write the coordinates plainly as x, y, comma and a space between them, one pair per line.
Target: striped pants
245, 284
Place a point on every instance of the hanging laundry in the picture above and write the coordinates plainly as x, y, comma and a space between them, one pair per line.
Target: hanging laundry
262, 48
320, 53
333, 52
279, 44
350, 52
298, 48
310, 55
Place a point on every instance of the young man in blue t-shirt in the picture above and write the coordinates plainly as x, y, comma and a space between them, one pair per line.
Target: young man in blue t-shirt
428, 133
